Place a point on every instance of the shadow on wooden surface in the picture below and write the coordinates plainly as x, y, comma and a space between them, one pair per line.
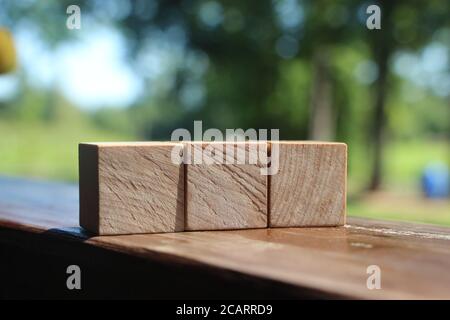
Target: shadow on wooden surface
35, 268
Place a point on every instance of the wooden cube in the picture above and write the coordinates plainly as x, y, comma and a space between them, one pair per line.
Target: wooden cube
229, 195
131, 188
310, 186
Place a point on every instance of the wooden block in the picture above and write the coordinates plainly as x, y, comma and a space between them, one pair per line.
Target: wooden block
225, 196
130, 188
310, 186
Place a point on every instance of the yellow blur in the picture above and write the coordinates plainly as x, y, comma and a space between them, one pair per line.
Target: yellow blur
7, 52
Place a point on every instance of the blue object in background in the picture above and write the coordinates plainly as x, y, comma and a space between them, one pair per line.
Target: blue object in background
435, 180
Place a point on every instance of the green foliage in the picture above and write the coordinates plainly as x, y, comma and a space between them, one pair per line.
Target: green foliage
114, 120
253, 67
288, 104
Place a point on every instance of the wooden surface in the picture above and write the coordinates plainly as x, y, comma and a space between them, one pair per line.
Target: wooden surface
223, 196
414, 259
130, 188
310, 186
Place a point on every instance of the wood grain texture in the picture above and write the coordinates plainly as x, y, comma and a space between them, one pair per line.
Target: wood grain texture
414, 258
130, 188
310, 186
225, 196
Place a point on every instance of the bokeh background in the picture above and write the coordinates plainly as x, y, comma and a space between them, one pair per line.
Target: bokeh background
137, 70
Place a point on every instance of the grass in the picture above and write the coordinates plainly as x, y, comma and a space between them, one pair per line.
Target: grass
401, 207
404, 161
47, 151
401, 198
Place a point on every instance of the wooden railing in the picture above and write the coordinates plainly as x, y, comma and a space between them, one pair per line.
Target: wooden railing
40, 236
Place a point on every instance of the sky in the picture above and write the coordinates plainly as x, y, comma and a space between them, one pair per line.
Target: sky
91, 71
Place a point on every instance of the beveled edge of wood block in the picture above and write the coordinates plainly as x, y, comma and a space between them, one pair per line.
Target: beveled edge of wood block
307, 142
344, 214
226, 142
133, 144
89, 194
343, 218
190, 147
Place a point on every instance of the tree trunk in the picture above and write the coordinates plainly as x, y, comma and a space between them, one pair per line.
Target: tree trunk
378, 126
321, 121
382, 48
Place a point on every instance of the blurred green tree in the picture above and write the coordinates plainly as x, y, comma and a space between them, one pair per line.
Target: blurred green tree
283, 64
